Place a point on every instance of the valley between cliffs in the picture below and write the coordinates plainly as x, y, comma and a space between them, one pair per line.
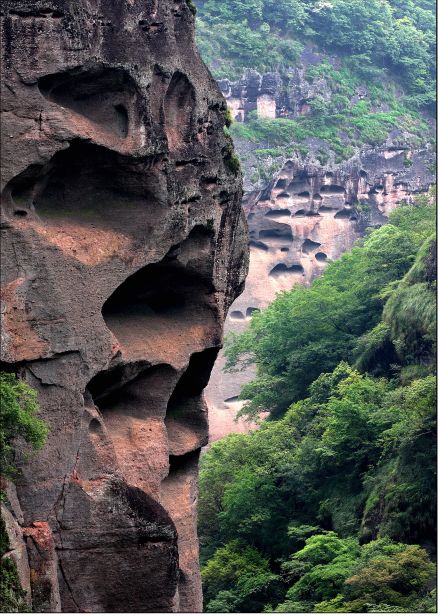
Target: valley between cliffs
303, 210
125, 248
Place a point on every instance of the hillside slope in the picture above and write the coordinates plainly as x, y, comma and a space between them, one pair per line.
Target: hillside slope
331, 505
321, 80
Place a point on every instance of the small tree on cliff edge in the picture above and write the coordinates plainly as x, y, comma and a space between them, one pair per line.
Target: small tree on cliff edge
18, 418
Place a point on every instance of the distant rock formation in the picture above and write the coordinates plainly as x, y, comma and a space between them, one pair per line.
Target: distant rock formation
291, 95
123, 246
306, 216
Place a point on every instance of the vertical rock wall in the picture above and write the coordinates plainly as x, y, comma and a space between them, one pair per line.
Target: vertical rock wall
123, 246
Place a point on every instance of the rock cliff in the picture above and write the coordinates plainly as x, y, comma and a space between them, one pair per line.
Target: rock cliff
309, 194
123, 245
292, 96
307, 215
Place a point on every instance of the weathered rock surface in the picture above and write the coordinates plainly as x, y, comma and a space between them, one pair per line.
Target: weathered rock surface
290, 95
305, 217
123, 246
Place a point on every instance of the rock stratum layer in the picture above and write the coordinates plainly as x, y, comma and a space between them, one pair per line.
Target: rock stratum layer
123, 244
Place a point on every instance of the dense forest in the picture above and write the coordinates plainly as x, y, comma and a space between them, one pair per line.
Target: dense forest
389, 43
375, 36
330, 505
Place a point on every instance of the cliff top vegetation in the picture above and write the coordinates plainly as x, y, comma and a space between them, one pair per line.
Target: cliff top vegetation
373, 38
384, 49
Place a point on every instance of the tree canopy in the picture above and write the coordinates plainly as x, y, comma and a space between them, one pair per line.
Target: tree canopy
331, 505
396, 35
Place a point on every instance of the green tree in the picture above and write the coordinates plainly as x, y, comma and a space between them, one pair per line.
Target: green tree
401, 501
341, 576
396, 577
18, 418
237, 576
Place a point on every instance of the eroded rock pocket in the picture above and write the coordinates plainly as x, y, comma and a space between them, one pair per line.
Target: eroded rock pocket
166, 311
178, 111
88, 185
106, 96
186, 415
283, 270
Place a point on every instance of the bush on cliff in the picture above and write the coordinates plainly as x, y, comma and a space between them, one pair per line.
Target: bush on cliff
382, 576
12, 596
18, 418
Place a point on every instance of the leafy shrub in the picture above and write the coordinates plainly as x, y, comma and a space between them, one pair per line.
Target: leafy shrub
233, 163
192, 6
242, 568
12, 596
18, 418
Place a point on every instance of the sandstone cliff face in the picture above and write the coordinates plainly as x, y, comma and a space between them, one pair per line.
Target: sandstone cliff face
306, 216
123, 246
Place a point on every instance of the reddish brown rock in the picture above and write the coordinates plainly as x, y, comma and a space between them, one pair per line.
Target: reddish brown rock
43, 567
123, 246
